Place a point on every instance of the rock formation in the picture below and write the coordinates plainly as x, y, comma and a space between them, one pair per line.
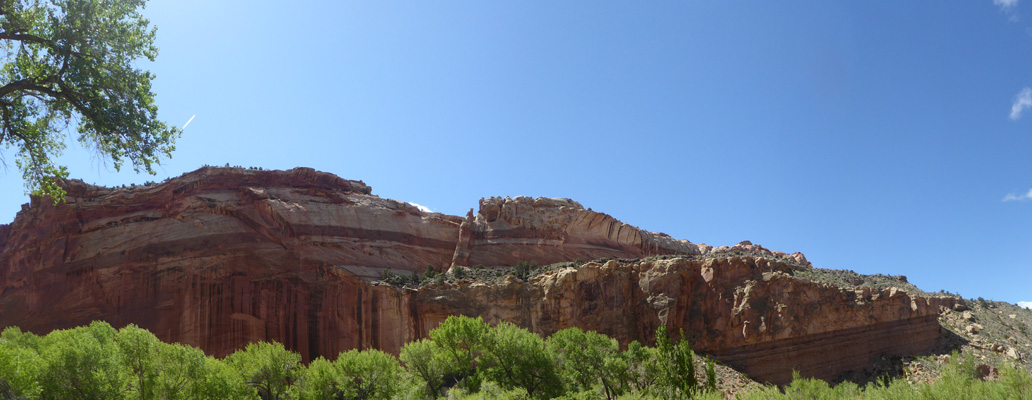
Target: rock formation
747, 311
221, 257
507, 231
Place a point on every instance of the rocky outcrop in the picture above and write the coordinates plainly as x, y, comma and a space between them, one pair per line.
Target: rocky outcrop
223, 256
310, 216
508, 230
750, 312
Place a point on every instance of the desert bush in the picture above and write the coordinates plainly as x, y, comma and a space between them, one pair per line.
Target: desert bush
489, 391
676, 366
522, 270
711, 376
392, 278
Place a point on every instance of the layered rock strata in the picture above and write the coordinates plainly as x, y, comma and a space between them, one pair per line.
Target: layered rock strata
749, 312
221, 257
506, 231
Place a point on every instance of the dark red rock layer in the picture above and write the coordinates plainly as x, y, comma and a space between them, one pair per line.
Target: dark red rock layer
828, 355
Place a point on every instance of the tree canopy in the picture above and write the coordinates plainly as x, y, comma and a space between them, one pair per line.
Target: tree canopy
464, 359
71, 62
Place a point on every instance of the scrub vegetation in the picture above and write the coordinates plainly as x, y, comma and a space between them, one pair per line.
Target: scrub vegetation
463, 358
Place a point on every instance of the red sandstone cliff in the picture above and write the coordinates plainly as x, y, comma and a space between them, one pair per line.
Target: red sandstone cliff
223, 256
747, 311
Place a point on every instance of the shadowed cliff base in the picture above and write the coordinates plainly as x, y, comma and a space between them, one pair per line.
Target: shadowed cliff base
891, 367
221, 257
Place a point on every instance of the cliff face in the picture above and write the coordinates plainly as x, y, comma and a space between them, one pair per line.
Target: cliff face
507, 231
747, 311
220, 257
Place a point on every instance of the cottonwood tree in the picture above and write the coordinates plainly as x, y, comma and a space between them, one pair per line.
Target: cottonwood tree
427, 363
518, 358
589, 359
367, 374
20, 365
71, 62
83, 363
463, 340
269, 368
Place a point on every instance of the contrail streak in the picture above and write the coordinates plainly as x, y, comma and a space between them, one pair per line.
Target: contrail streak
188, 122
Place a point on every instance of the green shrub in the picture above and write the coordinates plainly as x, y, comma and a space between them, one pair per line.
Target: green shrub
82, 363
425, 364
711, 376
464, 358
269, 368
138, 350
368, 374
522, 270
517, 358
463, 341
391, 278
489, 391
676, 366
642, 367
586, 360
20, 370
186, 373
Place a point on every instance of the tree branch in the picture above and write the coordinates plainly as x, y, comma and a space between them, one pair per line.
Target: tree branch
20, 36
17, 86
6, 130
35, 164
25, 37
39, 85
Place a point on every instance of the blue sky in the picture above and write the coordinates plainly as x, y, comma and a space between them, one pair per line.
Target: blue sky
882, 137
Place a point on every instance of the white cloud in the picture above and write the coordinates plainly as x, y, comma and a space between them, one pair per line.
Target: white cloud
1018, 197
420, 207
1025, 304
1021, 102
1006, 4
